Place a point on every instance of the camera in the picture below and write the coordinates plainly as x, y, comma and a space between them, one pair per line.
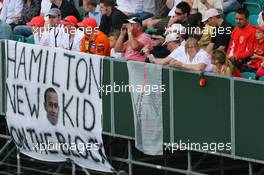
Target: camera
124, 27
142, 53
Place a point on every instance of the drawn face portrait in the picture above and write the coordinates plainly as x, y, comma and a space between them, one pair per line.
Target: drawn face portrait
51, 105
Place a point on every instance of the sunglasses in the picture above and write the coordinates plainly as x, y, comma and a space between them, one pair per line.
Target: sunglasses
178, 13
52, 17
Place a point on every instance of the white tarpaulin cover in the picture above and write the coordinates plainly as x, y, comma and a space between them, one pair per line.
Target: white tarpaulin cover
147, 106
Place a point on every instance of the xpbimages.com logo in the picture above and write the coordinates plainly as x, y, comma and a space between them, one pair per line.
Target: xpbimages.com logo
123, 88
204, 146
80, 147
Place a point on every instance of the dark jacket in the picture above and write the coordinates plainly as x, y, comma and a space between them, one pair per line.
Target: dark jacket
67, 9
112, 22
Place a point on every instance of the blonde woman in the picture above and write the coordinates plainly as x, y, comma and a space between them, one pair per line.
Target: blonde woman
197, 59
221, 64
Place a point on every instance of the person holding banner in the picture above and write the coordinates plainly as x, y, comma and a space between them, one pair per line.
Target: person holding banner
94, 41
51, 105
74, 35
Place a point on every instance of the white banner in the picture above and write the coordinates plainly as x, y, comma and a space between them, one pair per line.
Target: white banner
147, 106
54, 104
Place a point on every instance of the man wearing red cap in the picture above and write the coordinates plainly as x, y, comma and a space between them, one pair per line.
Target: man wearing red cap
74, 36
94, 41
37, 26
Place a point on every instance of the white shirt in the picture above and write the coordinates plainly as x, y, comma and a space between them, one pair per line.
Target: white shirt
55, 37
10, 9
41, 40
172, 11
45, 7
75, 43
179, 53
201, 57
130, 6
118, 55
260, 19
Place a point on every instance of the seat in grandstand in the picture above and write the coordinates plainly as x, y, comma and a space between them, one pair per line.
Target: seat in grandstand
253, 8
30, 40
249, 75
231, 18
253, 19
261, 78
18, 38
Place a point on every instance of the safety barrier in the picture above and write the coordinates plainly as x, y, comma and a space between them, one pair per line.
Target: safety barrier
227, 110
2, 79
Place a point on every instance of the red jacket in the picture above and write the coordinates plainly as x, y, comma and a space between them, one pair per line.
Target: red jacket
242, 42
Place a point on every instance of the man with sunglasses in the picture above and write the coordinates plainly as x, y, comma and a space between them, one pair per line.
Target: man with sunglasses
182, 12
175, 44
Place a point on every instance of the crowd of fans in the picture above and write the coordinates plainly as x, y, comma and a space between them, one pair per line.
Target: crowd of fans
185, 34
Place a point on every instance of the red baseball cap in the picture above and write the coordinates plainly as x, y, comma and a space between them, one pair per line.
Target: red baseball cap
37, 21
69, 20
87, 22
261, 27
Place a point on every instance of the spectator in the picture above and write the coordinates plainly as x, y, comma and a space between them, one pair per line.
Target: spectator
92, 9
1, 5
261, 18
73, 35
5, 30
148, 10
258, 57
175, 45
94, 41
66, 8
112, 18
45, 7
11, 10
31, 8
222, 65
137, 39
197, 59
171, 4
182, 12
55, 35
202, 5
206, 33
130, 7
162, 17
113, 36
37, 26
221, 36
241, 46
159, 48
232, 5
194, 26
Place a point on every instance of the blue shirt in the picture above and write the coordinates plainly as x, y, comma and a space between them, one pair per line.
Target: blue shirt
5, 30
96, 15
